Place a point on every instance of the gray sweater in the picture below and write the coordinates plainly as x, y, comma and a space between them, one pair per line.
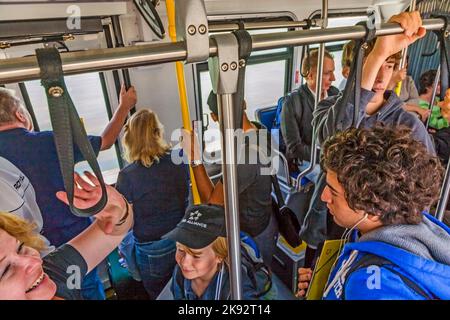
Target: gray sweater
296, 119
426, 239
409, 93
331, 116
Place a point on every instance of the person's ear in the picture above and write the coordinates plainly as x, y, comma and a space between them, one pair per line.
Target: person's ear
20, 117
346, 72
373, 218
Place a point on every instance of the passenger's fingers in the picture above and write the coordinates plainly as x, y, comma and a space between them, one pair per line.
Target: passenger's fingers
122, 89
303, 285
305, 277
410, 28
301, 293
78, 202
421, 33
304, 271
92, 178
418, 19
401, 21
83, 183
81, 194
62, 196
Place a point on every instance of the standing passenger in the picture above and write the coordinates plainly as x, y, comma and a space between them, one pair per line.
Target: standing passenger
254, 187
377, 105
159, 191
37, 159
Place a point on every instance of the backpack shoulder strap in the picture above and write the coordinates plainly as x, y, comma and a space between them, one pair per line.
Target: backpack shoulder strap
252, 267
374, 260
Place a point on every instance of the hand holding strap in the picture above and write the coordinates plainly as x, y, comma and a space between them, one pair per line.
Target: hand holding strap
67, 128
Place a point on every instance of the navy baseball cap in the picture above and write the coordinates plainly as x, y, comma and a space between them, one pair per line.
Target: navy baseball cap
200, 226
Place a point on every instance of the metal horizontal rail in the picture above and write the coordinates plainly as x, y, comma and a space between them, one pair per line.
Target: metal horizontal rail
23, 69
224, 26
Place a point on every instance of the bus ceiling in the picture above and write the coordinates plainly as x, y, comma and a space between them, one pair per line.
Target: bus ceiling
24, 10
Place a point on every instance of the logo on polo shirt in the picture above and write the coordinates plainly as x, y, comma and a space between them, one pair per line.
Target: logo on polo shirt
19, 182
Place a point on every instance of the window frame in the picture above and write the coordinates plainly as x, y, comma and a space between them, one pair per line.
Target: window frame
29, 106
288, 56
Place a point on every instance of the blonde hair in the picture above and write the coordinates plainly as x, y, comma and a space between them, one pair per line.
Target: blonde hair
347, 54
219, 247
143, 139
22, 230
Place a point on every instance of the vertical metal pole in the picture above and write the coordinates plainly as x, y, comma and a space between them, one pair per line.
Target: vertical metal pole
321, 57
398, 89
443, 197
231, 194
433, 96
224, 73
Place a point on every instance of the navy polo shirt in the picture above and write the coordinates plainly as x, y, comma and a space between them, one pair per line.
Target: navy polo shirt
160, 195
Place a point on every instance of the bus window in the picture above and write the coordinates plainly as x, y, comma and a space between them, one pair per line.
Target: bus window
267, 79
87, 95
336, 48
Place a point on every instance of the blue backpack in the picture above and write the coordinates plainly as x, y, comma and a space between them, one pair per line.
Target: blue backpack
258, 272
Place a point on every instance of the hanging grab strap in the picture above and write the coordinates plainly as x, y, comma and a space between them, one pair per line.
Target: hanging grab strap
444, 41
245, 49
67, 128
354, 79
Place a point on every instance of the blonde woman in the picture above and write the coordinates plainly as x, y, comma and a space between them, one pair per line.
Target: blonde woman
159, 191
25, 276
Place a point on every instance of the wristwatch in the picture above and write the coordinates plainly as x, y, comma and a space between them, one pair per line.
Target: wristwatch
196, 163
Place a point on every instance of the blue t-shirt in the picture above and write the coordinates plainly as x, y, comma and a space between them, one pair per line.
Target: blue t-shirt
160, 195
34, 153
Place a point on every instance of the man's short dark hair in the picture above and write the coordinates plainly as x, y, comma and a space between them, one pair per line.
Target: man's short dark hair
385, 172
427, 80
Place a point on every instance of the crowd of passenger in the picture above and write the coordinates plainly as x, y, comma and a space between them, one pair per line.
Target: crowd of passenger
375, 185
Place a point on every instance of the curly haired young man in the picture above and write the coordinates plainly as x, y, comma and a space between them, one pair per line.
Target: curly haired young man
380, 182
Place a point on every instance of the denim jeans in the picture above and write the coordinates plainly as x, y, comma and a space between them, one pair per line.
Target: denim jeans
127, 250
267, 240
92, 287
155, 261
